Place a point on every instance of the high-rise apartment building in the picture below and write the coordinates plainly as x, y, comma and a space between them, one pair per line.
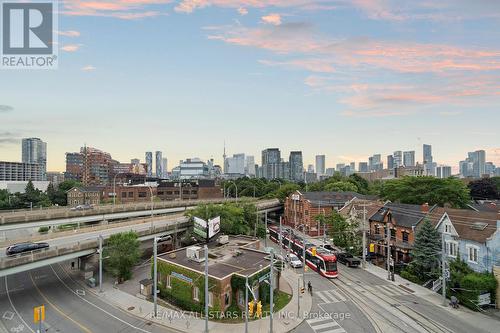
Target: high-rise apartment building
250, 166
34, 150
296, 166
310, 168
164, 165
158, 163
443, 171
375, 163
74, 166
390, 162
98, 166
271, 159
16, 171
398, 158
149, 163
474, 165
429, 165
363, 167
409, 158
320, 164
235, 165
352, 167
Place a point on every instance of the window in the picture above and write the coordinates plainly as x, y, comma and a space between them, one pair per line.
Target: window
227, 299
130, 194
210, 299
393, 233
405, 236
306, 213
447, 228
142, 194
124, 194
377, 230
167, 282
473, 253
452, 248
196, 293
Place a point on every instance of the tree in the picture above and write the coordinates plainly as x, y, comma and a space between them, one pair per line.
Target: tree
344, 233
431, 190
342, 186
361, 183
426, 252
237, 218
485, 188
123, 252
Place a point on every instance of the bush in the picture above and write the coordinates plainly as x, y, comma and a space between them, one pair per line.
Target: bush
405, 274
43, 229
472, 285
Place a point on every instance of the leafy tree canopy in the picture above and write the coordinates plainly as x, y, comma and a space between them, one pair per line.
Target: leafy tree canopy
123, 252
486, 188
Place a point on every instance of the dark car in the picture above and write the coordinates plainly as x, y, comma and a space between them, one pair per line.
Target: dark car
25, 247
348, 259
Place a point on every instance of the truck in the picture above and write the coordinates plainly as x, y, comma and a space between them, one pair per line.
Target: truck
348, 259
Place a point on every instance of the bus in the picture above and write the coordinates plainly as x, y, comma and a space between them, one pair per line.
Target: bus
324, 262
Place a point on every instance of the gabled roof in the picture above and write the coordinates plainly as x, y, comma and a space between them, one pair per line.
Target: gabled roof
87, 189
334, 198
404, 215
469, 224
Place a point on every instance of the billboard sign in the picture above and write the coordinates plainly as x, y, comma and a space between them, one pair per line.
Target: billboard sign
200, 228
213, 226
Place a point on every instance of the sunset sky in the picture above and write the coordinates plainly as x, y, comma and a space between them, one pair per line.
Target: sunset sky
344, 78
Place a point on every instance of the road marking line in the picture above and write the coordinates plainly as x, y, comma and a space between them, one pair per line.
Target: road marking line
96, 306
13, 307
316, 320
320, 327
80, 292
338, 295
85, 329
320, 294
8, 315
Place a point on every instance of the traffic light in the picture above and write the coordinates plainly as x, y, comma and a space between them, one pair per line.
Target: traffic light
259, 309
313, 250
302, 290
250, 309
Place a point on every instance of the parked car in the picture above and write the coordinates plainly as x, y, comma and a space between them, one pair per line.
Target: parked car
328, 247
348, 259
82, 207
294, 261
25, 247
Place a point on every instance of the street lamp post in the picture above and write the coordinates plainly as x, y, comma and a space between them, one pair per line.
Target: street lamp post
206, 288
271, 292
100, 263
152, 205
156, 240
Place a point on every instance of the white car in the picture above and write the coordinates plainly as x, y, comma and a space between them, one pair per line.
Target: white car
294, 261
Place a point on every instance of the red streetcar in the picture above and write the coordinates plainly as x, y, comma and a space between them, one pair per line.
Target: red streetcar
323, 261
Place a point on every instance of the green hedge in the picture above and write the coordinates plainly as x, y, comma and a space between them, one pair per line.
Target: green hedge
471, 286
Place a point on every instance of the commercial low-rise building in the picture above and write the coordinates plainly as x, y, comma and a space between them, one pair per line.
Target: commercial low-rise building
191, 190
181, 275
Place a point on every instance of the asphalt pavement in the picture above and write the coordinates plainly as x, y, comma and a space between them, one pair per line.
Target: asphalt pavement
69, 308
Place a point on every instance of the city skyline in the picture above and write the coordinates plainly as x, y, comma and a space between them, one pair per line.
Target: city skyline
321, 72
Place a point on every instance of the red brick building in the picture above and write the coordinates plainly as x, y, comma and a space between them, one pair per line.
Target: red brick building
402, 220
301, 209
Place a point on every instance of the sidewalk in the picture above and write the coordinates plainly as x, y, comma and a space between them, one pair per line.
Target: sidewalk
284, 321
479, 320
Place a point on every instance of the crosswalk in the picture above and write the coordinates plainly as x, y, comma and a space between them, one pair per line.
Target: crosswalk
325, 325
331, 296
390, 290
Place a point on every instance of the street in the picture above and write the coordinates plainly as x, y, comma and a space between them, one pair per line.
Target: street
69, 308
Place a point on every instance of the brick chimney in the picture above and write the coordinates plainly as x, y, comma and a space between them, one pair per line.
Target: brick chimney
425, 208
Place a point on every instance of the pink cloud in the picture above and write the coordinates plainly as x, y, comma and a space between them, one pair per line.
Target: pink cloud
69, 33
313, 65
88, 68
274, 19
188, 6
123, 9
71, 47
242, 11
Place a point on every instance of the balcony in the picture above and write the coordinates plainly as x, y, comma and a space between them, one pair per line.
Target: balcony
376, 237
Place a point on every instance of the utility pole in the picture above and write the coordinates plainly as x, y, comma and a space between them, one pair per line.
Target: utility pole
246, 304
155, 277
265, 238
304, 261
298, 297
271, 296
388, 256
100, 263
364, 234
256, 223
206, 288
281, 240
443, 267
